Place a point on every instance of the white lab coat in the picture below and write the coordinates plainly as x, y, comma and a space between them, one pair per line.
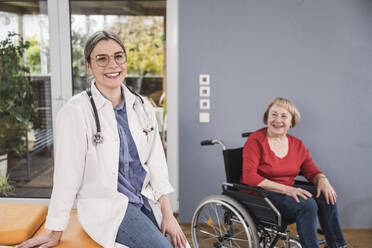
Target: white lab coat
89, 172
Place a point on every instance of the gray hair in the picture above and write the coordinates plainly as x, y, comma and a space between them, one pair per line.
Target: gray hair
97, 37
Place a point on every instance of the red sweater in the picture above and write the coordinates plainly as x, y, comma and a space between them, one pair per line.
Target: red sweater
260, 162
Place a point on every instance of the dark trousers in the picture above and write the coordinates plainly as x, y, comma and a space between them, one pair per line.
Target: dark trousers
306, 212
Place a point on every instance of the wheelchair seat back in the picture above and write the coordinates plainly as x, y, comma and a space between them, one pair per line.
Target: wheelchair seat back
233, 164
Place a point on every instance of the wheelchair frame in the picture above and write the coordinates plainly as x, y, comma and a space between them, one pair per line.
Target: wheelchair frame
261, 220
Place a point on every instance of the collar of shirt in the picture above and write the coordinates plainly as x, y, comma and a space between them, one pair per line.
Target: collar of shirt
121, 105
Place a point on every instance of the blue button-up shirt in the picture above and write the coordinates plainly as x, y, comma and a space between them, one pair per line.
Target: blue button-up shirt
131, 173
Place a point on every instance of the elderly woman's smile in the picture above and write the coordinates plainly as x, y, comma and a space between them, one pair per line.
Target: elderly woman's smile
279, 120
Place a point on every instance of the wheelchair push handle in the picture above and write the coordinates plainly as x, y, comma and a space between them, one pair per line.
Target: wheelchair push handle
206, 142
246, 134
213, 142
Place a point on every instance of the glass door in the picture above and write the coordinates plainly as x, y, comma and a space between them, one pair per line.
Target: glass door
26, 134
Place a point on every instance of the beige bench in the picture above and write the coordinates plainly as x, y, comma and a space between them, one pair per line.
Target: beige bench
19, 222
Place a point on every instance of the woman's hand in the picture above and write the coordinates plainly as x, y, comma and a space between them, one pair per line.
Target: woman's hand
44, 241
170, 225
297, 192
323, 186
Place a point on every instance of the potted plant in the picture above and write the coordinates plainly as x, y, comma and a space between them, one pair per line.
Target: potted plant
5, 187
15, 97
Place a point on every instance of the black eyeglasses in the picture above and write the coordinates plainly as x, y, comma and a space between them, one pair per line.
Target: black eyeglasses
103, 60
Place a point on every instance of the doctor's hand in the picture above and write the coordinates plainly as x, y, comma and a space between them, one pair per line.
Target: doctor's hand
44, 241
169, 225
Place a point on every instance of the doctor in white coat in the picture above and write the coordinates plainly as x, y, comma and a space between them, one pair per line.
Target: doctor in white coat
119, 176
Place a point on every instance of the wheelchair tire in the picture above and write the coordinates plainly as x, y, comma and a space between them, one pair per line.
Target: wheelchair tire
222, 222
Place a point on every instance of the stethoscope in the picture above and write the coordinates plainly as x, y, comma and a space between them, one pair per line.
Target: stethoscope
98, 137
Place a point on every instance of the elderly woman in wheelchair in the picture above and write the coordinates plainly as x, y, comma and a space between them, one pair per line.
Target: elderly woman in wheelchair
267, 167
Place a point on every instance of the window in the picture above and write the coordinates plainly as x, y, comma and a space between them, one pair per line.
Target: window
26, 138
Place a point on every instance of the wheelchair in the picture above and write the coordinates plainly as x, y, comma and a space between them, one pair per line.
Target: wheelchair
237, 219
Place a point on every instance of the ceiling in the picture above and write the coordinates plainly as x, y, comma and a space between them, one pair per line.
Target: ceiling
128, 7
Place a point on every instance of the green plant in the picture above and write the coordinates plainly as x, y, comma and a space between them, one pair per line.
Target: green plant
143, 37
78, 40
15, 95
5, 187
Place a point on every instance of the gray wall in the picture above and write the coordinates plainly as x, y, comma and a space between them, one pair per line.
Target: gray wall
318, 53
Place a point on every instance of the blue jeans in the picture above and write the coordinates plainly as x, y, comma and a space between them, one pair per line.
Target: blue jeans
305, 214
140, 230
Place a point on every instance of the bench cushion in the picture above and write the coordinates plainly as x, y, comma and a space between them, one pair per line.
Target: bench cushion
73, 236
19, 221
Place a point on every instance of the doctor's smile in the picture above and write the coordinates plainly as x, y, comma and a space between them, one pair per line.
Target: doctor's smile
112, 75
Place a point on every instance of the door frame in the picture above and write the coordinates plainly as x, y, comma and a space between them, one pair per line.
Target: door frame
172, 100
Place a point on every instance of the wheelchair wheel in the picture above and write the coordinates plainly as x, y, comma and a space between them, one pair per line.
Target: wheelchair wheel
221, 222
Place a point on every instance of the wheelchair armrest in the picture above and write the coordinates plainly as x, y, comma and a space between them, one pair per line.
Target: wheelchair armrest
256, 189
303, 180
300, 182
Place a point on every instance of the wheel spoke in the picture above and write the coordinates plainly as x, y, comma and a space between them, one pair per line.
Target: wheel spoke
218, 220
239, 233
210, 234
219, 229
242, 240
209, 238
215, 230
237, 245
242, 243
